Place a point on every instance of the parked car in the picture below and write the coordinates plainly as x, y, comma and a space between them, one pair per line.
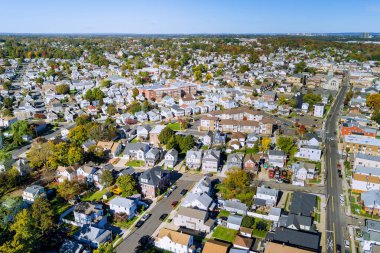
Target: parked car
139, 223
174, 187
167, 194
146, 216
183, 192
174, 203
163, 216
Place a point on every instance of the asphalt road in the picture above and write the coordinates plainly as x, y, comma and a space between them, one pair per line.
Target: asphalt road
148, 228
335, 216
17, 152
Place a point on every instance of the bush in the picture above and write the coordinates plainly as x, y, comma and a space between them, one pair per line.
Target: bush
261, 225
248, 222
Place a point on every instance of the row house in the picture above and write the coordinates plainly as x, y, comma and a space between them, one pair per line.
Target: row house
361, 144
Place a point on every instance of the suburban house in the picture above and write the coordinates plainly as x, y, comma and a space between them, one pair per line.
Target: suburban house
272, 247
361, 144
66, 173
299, 222
33, 192
200, 201
371, 201
303, 204
277, 158
234, 221
371, 235
194, 159
211, 160
174, 241
193, 219
250, 163
93, 236
171, 158
143, 132
312, 153
235, 206
135, 151
319, 110
153, 181
213, 246
86, 173
152, 156
303, 171
365, 179
114, 148
265, 197
242, 242
154, 133
297, 238
235, 160
90, 213
123, 205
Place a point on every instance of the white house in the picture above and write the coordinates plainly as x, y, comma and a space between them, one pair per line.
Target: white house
312, 153
234, 221
123, 205
33, 192
174, 241
265, 196
171, 158
319, 110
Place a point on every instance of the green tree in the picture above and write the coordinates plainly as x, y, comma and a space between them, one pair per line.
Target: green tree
105, 248
286, 144
7, 85
243, 68
237, 185
39, 154
186, 143
43, 216
127, 184
172, 143
135, 92
106, 83
111, 109
106, 178
69, 189
165, 135
78, 134
373, 101
248, 222
62, 89
198, 75
75, 155
19, 129
300, 67
94, 94
83, 119
24, 239
312, 99
134, 107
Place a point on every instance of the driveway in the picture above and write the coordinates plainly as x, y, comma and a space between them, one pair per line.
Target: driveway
148, 228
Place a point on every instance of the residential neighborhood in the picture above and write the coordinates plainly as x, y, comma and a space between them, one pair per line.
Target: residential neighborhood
194, 144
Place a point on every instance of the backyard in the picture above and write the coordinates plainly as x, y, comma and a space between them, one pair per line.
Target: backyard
224, 234
260, 228
174, 126
94, 195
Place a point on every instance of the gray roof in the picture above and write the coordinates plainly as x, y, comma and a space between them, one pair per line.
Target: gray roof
275, 211
236, 205
370, 198
297, 238
235, 219
211, 155
93, 234
267, 191
154, 175
34, 189
367, 170
196, 153
123, 202
298, 220
276, 153
303, 203
135, 146
367, 157
193, 213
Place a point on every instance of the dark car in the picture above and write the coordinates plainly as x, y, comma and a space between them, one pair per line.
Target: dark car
139, 223
183, 192
163, 216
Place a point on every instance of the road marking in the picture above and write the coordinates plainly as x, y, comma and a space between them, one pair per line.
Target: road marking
332, 203
334, 237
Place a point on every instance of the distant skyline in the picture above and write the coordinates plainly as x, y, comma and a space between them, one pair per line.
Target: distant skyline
190, 16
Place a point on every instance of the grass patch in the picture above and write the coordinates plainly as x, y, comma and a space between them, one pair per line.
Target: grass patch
261, 228
174, 126
135, 163
59, 205
317, 217
134, 140
223, 213
224, 234
286, 202
95, 196
250, 151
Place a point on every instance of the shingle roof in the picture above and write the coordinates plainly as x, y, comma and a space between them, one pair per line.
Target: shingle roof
174, 236
297, 238
303, 203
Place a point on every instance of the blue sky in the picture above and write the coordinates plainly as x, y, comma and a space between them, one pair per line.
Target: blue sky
189, 16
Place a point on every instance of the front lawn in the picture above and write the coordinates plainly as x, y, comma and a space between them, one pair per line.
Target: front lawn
174, 126
135, 163
224, 234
